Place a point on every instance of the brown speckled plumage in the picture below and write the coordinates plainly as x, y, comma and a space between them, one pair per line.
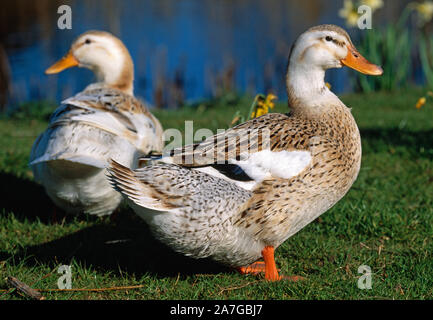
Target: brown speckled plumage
283, 206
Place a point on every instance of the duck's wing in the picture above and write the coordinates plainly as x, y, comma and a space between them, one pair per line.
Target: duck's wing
268, 147
113, 111
85, 126
169, 187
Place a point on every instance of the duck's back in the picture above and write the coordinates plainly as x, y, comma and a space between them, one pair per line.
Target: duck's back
86, 127
69, 158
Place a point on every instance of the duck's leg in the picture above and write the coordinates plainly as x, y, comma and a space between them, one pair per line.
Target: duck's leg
268, 267
271, 272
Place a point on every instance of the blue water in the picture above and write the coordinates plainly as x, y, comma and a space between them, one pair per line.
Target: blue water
196, 38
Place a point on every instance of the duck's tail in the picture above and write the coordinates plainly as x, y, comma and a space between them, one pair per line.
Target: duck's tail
139, 191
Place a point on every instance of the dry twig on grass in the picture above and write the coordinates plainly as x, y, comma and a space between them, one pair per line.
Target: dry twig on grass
94, 289
36, 293
24, 288
238, 287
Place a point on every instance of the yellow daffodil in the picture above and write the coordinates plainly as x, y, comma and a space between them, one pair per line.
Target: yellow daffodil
259, 112
349, 13
420, 103
373, 4
269, 101
263, 105
424, 10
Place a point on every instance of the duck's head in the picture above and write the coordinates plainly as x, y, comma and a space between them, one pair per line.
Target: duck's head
316, 50
102, 53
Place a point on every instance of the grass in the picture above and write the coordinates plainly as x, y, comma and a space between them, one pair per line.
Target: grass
385, 222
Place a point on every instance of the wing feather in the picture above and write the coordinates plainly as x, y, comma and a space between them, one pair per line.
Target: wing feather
114, 112
259, 149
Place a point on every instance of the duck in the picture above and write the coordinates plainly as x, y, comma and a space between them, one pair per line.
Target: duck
237, 196
104, 121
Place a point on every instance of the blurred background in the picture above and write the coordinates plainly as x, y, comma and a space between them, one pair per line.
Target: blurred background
187, 50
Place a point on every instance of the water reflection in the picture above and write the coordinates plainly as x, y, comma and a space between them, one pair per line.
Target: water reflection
182, 49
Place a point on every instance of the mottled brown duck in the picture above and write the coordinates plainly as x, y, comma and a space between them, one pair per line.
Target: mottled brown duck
238, 195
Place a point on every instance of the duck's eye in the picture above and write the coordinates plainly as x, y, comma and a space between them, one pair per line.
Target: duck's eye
87, 41
328, 38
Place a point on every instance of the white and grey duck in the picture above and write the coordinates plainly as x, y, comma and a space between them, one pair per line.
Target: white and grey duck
104, 121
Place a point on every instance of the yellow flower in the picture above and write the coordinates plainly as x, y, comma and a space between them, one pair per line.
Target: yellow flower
259, 112
424, 9
269, 101
328, 85
263, 105
420, 103
349, 12
373, 4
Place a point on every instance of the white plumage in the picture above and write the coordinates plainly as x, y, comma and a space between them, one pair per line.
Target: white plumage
268, 164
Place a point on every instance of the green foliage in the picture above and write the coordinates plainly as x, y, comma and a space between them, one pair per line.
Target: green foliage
229, 98
40, 110
426, 57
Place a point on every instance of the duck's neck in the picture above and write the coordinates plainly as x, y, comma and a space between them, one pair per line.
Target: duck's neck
119, 75
306, 87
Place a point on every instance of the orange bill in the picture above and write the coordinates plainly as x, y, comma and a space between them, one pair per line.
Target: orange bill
357, 62
67, 61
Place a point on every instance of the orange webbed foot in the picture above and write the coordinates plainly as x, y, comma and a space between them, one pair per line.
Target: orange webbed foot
254, 268
268, 267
